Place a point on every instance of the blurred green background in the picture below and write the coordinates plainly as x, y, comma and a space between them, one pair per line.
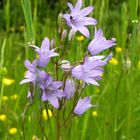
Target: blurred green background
118, 97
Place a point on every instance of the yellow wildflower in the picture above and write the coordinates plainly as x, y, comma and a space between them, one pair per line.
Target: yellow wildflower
13, 131
35, 137
8, 82
4, 98
118, 49
44, 114
14, 97
29, 118
138, 64
94, 114
80, 38
3, 117
135, 21
113, 61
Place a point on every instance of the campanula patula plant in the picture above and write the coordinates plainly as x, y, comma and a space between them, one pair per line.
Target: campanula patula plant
65, 94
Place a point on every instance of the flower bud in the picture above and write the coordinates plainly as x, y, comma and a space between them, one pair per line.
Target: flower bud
127, 63
60, 18
52, 43
64, 34
65, 65
71, 35
3, 72
69, 88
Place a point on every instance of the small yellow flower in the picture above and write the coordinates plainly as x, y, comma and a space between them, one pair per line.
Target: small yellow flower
14, 97
35, 137
44, 114
113, 61
4, 98
3, 117
80, 38
29, 118
118, 49
8, 82
94, 114
135, 21
138, 64
13, 131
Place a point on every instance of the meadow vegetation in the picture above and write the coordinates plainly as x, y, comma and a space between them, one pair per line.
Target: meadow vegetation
117, 116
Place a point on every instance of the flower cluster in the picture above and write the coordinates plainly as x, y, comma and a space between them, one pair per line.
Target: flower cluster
59, 92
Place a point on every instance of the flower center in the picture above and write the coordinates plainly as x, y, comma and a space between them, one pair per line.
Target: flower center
71, 17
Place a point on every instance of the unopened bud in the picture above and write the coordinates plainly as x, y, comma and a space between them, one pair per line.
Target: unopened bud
65, 65
127, 63
64, 34
52, 43
71, 34
3, 72
60, 18
113, 39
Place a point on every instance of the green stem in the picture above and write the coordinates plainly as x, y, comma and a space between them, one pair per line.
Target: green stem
2, 87
1, 65
2, 53
58, 127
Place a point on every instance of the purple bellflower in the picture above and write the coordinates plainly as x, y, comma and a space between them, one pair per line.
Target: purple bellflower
99, 43
82, 106
31, 74
45, 53
69, 88
51, 91
90, 71
77, 19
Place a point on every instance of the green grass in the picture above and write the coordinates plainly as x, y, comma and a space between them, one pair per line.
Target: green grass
118, 96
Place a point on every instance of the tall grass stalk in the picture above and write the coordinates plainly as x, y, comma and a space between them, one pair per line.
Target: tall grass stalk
7, 14
1, 65
29, 22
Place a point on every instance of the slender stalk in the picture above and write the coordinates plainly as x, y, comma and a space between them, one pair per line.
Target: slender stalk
28, 18
2, 53
42, 129
2, 87
1, 65
23, 119
58, 127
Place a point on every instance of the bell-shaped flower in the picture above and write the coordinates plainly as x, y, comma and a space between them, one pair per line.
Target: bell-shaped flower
44, 53
32, 76
78, 19
51, 90
82, 106
99, 43
90, 71
69, 88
